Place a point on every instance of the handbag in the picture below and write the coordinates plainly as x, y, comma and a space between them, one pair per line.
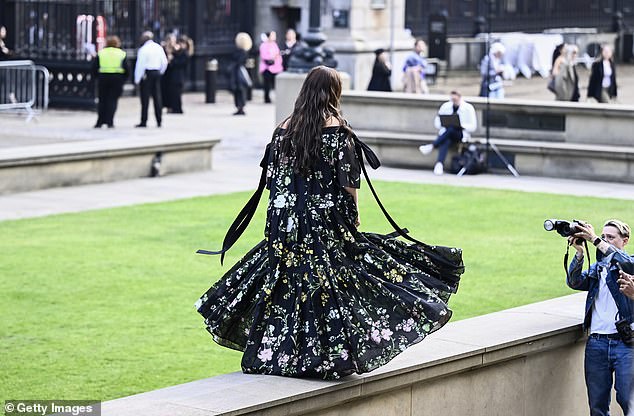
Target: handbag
245, 78
269, 61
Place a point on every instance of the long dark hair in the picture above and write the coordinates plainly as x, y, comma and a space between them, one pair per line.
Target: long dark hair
316, 103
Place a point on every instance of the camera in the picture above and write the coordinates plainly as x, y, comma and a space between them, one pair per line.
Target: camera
625, 331
564, 228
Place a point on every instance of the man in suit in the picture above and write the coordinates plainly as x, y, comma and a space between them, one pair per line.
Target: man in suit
151, 63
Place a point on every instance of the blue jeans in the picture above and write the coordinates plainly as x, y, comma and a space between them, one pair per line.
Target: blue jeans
444, 141
603, 358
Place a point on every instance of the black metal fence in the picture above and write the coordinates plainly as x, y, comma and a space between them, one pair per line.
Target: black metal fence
518, 15
65, 34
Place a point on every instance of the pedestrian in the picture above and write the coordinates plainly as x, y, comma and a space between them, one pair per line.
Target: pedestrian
111, 70
451, 134
290, 44
5, 52
239, 79
608, 315
169, 46
317, 297
151, 63
178, 68
270, 63
565, 75
491, 70
414, 69
381, 72
602, 84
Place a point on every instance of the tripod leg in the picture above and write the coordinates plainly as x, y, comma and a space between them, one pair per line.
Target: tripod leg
506, 162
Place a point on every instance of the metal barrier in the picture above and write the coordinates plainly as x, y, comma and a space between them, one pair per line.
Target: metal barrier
23, 87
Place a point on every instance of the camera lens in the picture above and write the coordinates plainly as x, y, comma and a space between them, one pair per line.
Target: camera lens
549, 225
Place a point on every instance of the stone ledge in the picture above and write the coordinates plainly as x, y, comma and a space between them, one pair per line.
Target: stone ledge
78, 150
534, 157
461, 347
83, 162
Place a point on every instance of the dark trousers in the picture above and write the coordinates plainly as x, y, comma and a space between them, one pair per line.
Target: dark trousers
605, 360
451, 136
175, 93
269, 84
109, 88
240, 97
151, 86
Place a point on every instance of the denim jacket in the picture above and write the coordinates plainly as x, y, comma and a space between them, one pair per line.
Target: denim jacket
588, 280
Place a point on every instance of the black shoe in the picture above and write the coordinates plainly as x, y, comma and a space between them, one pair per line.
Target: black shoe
141, 125
239, 113
158, 124
98, 126
267, 101
111, 126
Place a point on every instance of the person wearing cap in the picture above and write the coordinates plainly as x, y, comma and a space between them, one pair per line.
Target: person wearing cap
608, 355
491, 69
111, 69
151, 63
381, 72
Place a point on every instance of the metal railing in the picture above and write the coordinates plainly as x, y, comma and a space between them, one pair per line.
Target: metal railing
23, 87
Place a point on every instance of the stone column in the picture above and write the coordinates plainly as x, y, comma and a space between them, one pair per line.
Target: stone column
369, 28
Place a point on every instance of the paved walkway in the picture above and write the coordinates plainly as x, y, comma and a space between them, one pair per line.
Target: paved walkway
235, 165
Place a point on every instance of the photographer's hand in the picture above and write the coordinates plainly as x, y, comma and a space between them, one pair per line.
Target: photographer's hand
572, 241
626, 284
586, 231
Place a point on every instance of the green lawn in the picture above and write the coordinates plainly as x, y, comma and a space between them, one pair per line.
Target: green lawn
99, 305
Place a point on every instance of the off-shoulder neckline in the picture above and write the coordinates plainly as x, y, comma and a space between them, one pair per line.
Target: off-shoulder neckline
323, 128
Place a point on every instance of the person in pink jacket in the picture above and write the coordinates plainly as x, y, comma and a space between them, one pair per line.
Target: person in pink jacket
270, 63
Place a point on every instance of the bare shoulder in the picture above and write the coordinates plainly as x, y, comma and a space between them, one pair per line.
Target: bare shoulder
332, 122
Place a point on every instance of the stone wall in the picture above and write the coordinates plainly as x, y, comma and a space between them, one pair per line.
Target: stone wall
524, 361
543, 138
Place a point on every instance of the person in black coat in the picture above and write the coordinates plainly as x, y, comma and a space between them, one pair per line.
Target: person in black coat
602, 84
381, 72
239, 79
178, 73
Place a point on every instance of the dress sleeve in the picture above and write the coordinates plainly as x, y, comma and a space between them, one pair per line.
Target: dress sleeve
268, 160
347, 164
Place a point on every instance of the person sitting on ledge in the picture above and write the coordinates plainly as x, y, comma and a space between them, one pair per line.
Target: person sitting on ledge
450, 134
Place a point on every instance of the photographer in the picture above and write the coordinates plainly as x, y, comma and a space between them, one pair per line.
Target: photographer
608, 314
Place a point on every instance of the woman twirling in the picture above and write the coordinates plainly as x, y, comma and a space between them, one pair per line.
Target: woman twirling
317, 297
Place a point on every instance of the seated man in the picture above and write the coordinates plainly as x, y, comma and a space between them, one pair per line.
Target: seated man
451, 134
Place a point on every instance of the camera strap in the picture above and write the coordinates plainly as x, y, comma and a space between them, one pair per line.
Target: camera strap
585, 243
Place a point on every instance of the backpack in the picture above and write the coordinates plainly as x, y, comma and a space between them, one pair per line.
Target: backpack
472, 159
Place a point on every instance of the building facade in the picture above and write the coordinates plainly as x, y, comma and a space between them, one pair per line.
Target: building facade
64, 34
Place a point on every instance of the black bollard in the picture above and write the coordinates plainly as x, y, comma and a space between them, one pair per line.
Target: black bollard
211, 76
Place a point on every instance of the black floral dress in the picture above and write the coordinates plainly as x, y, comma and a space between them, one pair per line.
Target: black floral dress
318, 298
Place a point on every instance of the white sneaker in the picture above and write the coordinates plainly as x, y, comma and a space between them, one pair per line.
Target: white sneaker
426, 148
438, 169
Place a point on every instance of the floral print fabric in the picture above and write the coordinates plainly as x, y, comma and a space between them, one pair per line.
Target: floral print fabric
317, 298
